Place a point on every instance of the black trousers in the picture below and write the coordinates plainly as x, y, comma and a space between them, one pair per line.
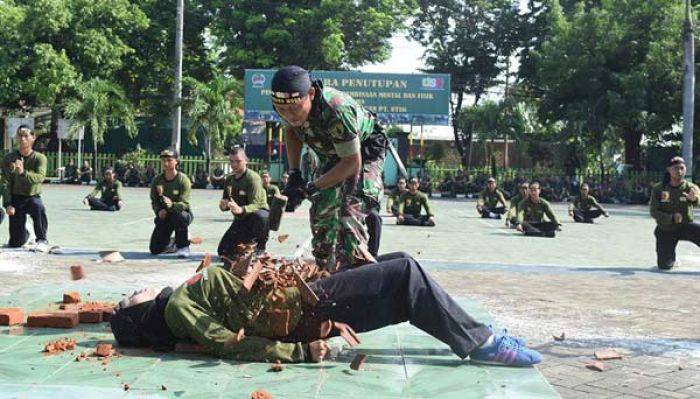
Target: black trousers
34, 207
244, 230
374, 230
581, 216
174, 221
97, 204
498, 211
394, 291
410, 220
395, 210
666, 241
540, 229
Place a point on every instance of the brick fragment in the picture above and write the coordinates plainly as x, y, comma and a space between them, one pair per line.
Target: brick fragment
260, 394
61, 345
71, 297
103, 350
607, 354
53, 320
595, 365
90, 316
358, 361
276, 367
76, 272
11, 316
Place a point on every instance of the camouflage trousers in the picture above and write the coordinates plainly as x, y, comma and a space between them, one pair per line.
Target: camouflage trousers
338, 217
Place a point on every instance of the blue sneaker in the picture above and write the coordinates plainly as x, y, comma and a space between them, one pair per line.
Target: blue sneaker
505, 351
520, 341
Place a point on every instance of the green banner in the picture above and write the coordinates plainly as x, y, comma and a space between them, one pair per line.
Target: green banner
420, 99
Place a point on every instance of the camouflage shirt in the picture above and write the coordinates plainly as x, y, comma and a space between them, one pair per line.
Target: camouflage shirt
336, 127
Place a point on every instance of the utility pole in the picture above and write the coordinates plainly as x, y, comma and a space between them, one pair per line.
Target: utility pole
177, 96
688, 88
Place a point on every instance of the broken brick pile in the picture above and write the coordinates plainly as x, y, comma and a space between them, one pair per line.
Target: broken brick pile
61, 345
72, 312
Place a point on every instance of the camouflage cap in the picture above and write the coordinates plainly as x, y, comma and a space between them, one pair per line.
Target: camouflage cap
169, 152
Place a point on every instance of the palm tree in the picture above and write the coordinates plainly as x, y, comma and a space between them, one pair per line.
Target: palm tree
214, 107
99, 105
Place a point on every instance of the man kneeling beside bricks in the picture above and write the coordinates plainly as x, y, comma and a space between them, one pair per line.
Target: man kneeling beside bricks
243, 318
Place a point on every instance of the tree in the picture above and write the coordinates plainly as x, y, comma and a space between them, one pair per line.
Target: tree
315, 34
612, 70
99, 105
473, 41
214, 108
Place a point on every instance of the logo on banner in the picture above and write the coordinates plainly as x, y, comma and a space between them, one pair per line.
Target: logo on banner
432, 83
258, 80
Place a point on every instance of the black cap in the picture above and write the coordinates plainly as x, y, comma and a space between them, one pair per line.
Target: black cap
290, 84
144, 324
169, 152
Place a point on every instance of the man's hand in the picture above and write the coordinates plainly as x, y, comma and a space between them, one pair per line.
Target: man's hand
167, 202
479, 208
19, 166
691, 195
10, 210
431, 219
235, 208
571, 212
399, 219
223, 204
677, 218
162, 214
319, 349
85, 201
519, 227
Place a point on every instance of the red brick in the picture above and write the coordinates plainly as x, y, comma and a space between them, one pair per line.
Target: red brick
53, 320
76, 272
10, 316
260, 394
103, 350
90, 316
71, 297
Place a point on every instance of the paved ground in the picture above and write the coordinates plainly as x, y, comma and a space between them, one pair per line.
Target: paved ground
595, 283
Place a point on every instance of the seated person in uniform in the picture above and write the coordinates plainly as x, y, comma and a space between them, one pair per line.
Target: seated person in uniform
447, 187
201, 178
217, 178
149, 175
132, 175
245, 197
487, 204
70, 174
410, 205
426, 184
392, 206
109, 191
512, 215
85, 173
580, 208
672, 203
531, 213
214, 309
270, 189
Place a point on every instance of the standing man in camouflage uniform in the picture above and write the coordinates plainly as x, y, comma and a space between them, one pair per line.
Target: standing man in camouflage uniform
351, 147
110, 195
24, 172
671, 205
170, 200
245, 197
487, 204
581, 208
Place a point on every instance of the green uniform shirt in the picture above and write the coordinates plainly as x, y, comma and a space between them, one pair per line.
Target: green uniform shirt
585, 204
491, 199
667, 200
395, 195
29, 182
336, 128
247, 191
272, 191
108, 192
529, 211
211, 307
411, 204
514, 202
178, 190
